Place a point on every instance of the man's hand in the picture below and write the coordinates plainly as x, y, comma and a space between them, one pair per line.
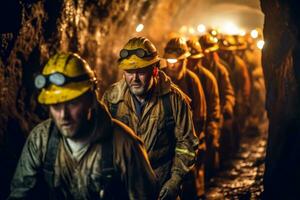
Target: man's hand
170, 189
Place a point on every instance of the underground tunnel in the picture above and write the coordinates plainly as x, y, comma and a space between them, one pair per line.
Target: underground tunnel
252, 153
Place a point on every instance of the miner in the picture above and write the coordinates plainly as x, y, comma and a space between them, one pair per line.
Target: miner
147, 101
211, 61
176, 53
80, 152
211, 91
240, 80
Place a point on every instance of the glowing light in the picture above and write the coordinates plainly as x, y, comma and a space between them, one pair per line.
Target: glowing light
139, 28
183, 29
260, 44
192, 30
242, 32
172, 60
230, 28
215, 40
254, 33
214, 32
184, 38
201, 28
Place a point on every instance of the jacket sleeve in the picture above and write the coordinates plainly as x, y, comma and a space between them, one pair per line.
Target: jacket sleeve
246, 82
200, 108
26, 174
213, 111
136, 172
186, 139
199, 113
227, 89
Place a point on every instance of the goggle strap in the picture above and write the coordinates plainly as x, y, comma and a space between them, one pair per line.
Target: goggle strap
83, 77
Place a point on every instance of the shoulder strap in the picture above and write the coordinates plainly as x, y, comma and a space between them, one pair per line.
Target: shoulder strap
51, 154
107, 168
114, 109
170, 122
107, 155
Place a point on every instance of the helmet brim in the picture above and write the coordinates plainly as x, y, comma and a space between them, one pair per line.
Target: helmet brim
196, 56
228, 48
59, 94
134, 62
212, 49
176, 56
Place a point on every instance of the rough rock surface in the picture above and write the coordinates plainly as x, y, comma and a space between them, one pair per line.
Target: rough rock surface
281, 58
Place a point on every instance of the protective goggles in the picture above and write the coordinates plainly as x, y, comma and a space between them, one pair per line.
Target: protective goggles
59, 79
141, 53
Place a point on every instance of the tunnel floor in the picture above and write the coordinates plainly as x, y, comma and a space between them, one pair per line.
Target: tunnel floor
242, 176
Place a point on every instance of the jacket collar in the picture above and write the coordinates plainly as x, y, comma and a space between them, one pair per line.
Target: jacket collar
102, 123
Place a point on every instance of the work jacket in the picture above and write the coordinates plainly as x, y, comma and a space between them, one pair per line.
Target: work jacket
83, 178
170, 143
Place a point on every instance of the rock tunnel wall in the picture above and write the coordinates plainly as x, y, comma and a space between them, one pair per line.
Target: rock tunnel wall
281, 56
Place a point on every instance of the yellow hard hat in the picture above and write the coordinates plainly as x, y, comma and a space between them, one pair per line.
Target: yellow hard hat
195, 48
214, 32
139, 52
66, 76
209, 43
176, 48
228, 43
240, 42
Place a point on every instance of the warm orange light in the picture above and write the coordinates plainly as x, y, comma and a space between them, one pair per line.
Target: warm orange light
139, 28
242, 32
254, 33
214, 32
260, 44
183, 29
201, 28
172, 60
230, 28
192, 30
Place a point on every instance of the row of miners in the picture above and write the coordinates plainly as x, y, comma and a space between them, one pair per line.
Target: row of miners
223, 77
155, 134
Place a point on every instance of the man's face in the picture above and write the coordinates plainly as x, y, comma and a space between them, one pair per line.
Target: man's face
174, 70
139, 81
225, 55
72, 117
192, 62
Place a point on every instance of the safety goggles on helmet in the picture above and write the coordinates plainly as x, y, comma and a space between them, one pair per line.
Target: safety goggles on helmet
141, 53
59, 79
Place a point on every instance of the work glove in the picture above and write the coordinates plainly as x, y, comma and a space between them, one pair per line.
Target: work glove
170, 189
